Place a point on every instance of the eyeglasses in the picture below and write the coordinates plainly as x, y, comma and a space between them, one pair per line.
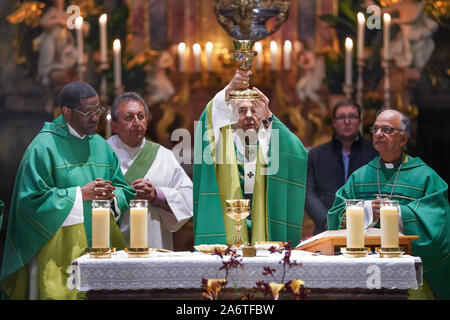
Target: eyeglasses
91, 114
385, 129
350, 118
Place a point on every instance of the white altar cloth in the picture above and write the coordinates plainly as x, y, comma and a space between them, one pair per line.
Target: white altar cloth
186, 270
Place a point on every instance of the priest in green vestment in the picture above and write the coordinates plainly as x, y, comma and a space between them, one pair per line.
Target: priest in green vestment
242, 150
422, 195
64, 168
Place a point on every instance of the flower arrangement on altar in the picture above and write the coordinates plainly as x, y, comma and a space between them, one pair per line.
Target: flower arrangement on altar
212, 288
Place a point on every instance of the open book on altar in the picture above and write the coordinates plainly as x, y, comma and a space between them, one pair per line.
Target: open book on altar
329, 242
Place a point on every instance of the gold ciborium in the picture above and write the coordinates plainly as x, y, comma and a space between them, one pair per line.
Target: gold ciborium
244, 55
238, 210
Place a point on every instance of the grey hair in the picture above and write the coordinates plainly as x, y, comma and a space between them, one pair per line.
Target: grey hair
405, 121
127, 96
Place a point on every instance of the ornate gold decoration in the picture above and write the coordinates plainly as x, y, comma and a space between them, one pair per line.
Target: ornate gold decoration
238, 209
248, 19
139, 252
244, 55
29, 12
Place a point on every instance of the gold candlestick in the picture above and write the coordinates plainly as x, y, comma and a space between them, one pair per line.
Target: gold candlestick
238, 210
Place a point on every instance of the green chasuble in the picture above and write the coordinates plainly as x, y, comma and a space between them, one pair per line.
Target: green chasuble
278, 196
422, 195
53, 165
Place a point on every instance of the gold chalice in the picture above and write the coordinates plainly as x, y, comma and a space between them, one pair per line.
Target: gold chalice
244, 55
238, 210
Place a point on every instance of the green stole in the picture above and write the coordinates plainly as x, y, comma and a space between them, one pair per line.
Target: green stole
230, 188
143, 162
278, 199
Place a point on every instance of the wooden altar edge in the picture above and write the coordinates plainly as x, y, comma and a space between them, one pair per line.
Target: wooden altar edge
329, 244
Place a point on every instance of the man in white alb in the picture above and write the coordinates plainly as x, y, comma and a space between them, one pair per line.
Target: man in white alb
151, 170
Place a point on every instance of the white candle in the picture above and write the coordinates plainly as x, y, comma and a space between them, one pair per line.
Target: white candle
80, 41
386, 34
181, 56
197, 52
273, 55
117, 64
389, 226
108, 125
209, 51
287, 51
138, 227
103, 38
361, 34
348, 60
100, 227
355, 227
259, 56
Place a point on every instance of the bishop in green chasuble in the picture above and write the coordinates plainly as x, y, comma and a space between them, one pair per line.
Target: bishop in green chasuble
423, 200
279, 174
45, 191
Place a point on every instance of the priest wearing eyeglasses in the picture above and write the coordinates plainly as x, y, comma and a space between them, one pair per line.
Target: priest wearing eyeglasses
64, 168
422, 195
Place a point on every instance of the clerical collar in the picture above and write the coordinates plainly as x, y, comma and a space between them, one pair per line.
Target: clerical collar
391, 165
74, 132
126, 147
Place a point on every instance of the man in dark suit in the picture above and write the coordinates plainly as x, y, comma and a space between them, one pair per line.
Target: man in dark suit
330, 164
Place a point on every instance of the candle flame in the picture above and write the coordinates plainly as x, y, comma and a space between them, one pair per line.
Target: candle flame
288, 44
258, 46
196, 47
181, 46
209, 46
79, 22
116, 45
387, 18
273, 45
348, 43
103, 18
361, 17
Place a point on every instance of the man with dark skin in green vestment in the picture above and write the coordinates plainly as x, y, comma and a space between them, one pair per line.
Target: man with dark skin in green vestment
421, 193
64, 168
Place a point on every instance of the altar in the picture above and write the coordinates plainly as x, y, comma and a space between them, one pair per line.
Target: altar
178, 275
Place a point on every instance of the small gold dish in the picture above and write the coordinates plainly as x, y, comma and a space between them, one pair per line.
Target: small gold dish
211, 248
390, 252
100, 253
139, 252
355, 252
261, 245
